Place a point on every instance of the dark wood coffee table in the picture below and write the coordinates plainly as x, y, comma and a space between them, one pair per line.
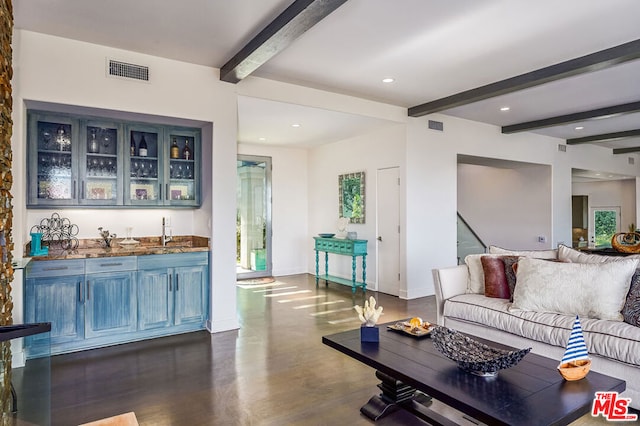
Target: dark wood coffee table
531, 393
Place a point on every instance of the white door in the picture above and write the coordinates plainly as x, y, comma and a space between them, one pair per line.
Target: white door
388, 230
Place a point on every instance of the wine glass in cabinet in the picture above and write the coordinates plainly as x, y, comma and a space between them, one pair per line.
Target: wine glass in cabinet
184, 152
143, 159
101, 172
52, 156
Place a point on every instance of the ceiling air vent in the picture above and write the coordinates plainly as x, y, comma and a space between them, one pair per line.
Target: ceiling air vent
632, 160
562, 148
436, 125
126, 70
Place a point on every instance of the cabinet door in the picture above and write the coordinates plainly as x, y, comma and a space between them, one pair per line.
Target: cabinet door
100, 169
182, 179
190, 294
58, 300
143, 166
110, 304
52, 174
155, 299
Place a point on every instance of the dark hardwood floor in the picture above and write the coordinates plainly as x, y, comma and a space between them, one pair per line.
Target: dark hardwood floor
274, 370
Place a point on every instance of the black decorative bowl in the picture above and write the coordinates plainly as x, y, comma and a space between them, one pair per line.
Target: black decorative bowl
326, 235
473, 356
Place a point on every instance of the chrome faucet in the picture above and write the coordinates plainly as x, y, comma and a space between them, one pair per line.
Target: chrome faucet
166, 239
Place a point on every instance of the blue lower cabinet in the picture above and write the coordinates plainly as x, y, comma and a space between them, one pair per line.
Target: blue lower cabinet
190, 293
110, 304
98, 302
174, 296
155, 293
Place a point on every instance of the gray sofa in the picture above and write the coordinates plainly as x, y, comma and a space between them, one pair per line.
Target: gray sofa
614, 346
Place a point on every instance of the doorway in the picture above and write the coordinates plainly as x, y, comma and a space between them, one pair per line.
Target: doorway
253, 218
606, 223
388, 230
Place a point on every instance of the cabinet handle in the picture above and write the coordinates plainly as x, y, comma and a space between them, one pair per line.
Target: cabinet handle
177, 282
166, 191
74, 189
82, 191
170, 283
111, 264
80, 292
88, 290
57, 268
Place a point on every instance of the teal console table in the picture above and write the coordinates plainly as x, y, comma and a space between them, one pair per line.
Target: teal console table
353, 248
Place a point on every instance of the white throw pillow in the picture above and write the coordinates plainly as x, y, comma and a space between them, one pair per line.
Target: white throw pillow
475, 283
592, 290
567, 254
538, 254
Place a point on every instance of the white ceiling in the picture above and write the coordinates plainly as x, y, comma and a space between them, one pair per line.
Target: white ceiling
432, 48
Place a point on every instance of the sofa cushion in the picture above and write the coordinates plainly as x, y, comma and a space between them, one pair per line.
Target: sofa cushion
495, 277
567, 254
631, 308
611, 339
538, 254
475, 284
585, 289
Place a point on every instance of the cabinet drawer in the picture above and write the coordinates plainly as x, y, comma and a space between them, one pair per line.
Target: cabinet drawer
156, 261
55, 268
111, 264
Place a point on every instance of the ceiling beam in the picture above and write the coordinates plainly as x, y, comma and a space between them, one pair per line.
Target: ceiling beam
626, 150
277, 36
584, 64
574, 117
604, 137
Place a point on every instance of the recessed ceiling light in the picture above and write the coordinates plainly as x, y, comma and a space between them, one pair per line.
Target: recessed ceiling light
262, 139
505, 108
579, 127
295, 125
388, 80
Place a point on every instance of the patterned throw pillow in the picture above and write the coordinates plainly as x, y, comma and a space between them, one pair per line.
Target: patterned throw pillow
631, 308
510, 268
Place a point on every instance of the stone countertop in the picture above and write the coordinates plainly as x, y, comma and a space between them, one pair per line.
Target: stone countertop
93, 248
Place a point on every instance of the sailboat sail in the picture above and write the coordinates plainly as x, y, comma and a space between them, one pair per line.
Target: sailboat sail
576, 347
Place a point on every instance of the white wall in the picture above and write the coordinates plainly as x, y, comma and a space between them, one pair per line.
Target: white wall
290, 245
61, 71
432, 185
507, 207
616, 193
380, 149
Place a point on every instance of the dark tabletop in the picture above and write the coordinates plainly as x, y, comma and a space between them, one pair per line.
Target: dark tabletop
531, 393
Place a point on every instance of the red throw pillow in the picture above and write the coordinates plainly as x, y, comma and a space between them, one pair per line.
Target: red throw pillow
495, 278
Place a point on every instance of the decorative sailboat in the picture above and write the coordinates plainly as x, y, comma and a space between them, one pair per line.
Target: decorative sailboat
575, 363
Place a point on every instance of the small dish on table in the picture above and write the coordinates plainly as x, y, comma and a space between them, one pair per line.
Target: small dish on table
412, 328
326, 235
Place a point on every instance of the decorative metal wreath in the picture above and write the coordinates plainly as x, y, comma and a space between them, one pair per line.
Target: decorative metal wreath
626, 242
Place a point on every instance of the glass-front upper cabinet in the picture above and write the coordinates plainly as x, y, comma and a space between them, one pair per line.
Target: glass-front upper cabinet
144, 160
101, 174
183, 188
53, 153
90, 161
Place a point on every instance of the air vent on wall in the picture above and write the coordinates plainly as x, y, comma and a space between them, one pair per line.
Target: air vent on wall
632, 160
562, 148
436, 125
126, 70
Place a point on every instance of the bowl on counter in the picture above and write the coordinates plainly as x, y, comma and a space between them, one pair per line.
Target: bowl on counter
326, 235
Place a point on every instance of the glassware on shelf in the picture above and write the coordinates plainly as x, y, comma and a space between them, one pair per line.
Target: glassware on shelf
132, 149
134, 168
94, 146
63, 139
175, 151
187, 153
142, 147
